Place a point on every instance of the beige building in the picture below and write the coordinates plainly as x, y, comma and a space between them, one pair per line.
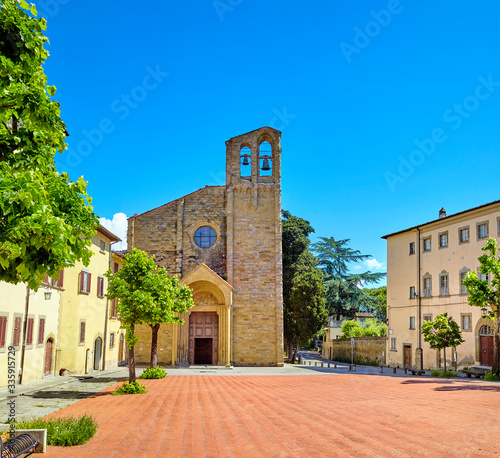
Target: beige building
225, 243
69, 324
426, 265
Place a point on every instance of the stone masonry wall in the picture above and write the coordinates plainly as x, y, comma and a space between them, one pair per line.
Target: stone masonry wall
367, 350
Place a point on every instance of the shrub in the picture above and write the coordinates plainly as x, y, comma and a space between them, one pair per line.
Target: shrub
153, 372
64, 432
491, 377
131, 388
446, 374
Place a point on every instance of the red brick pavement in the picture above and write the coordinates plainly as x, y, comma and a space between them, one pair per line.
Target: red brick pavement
293, 416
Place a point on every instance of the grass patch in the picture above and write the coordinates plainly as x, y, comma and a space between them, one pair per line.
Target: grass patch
131, 388
491, 377
153, 373
64, 432
446, 374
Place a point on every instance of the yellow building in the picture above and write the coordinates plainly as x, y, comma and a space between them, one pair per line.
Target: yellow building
225, 243
88, 328
426, 265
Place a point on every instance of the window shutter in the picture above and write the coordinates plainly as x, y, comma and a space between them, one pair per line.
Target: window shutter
115, 266
29, 335
3, 328
41, 330
82, 331
81, 281
60, 282
17, 331
89, 281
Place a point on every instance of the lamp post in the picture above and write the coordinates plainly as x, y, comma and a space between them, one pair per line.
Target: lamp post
47, 295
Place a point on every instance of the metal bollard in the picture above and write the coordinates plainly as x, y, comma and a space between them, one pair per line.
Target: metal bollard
328, 364
335, 366
321, 364
406, 370
315, 363
381, 369
393, 370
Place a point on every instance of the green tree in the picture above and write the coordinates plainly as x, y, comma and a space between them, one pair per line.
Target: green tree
350, 328
146, 294
295, 242
307, 301
344, 296
46, 221
379, 306
371, 328
441, 333
483, 295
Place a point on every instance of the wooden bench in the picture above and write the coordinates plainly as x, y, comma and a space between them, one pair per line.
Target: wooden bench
478, 373
416, 371
22, 444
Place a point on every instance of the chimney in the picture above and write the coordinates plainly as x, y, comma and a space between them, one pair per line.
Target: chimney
442, 213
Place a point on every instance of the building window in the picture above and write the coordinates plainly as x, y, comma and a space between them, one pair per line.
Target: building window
393, 343
29, 333
102, 246
412, 322
498, 226
82, 331
3, 330
466, 322
482, 230
115, 267
463, 234
100, 286
427, 286
41, 331
427, 316
412, 292
85, 279
17, 331
412, 247
112, 340
443, 240
427, 244
113, 308
463, 289
484, 277
59, 282
205, 236
443, 284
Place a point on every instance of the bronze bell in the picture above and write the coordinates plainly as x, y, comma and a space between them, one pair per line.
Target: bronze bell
265, 165
245, 160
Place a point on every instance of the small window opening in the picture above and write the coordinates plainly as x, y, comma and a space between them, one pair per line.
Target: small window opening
265, 159
245, 162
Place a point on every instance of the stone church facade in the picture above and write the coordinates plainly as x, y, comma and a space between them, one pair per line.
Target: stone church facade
224, 242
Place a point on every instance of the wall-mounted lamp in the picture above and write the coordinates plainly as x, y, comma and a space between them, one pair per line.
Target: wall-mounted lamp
47, 294
484, 312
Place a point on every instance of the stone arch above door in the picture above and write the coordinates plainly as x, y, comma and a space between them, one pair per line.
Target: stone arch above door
203, 280
483, 321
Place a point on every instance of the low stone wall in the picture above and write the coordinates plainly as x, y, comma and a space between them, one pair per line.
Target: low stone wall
369, 351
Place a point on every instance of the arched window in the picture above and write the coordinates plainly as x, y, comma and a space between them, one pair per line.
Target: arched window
205, 236
485, 331
265, 159
245, 162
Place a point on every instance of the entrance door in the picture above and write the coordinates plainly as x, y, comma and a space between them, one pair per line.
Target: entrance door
486, 346
97, 353
407, 350
203, 351
120, 350
48, 357
203, 337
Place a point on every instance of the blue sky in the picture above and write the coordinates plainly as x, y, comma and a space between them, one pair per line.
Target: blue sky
388, 109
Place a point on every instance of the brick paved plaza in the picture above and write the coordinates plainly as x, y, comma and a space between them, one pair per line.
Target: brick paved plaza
295, 416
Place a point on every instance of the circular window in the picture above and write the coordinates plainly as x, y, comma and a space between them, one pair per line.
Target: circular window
205, 236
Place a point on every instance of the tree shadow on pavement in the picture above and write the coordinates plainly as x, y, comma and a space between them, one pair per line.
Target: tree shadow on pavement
103, 379
441, 382
66, 394
469, 388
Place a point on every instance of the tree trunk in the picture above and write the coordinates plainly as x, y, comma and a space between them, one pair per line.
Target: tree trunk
131, 362
495, 365
154, 345
289, 351
444, 352
294, 357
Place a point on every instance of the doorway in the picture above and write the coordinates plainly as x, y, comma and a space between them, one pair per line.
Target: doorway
48, 357
486, 346
407, 356
97, 353
203, 338
120, 350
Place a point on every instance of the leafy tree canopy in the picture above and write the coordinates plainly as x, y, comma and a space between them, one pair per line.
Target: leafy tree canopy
482, 294
46, 221
371, 328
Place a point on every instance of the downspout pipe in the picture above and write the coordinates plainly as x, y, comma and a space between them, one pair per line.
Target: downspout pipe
419, 307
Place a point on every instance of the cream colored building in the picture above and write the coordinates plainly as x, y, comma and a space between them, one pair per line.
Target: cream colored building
70, 324
425, 268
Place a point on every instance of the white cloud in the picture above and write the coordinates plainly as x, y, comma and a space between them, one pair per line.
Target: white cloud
373, 264
118, 226
356, 267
